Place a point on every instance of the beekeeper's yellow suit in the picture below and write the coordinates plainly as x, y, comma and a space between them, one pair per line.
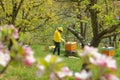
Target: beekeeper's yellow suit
57, 35
57, 39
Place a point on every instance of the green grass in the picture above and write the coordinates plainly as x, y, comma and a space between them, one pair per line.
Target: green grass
71, 62
18, 71
117, 54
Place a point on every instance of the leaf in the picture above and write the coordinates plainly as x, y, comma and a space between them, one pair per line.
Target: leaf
43, 62
12, 54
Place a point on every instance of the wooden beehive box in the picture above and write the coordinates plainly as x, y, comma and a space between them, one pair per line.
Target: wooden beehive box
108, 51
71, 46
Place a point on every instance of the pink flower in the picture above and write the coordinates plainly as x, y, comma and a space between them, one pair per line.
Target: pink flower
64, 72
41, 70
83, 75
40, 67
52, 76
99, 59
4, 58
111, 63
89, 50
12, 26
1, 45
27, 50
16, 34
28, 55
104, 61
110, 77
29, 60
49, 57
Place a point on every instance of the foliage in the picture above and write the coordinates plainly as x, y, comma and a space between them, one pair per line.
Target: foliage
39, 17
11, 49
26, 15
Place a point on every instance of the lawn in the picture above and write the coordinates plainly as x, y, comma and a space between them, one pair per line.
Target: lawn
18, 71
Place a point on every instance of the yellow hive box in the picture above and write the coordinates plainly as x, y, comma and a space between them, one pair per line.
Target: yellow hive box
71, 46
108, 51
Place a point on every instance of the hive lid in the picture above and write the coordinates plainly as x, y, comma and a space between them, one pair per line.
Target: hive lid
71, 43
107, 48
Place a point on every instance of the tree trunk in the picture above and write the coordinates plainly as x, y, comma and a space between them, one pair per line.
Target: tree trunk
95, 42
114, 41
110, 41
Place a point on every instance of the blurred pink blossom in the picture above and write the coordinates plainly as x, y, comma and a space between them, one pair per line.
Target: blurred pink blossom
29, 60
16, 34
27, 50
104, 61
4, 58
28, 55
40, 71
52, 76
49, 57
12, 26
83, 75
89, 50
40, 67
99, 59
65, 71
110, 77
1, 45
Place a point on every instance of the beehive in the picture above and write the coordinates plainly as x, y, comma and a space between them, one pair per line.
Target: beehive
108, 51
71, 46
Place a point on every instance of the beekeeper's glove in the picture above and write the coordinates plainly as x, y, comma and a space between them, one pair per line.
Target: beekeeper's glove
63, 40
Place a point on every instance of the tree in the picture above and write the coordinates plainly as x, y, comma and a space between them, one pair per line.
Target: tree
27, 15
101, 20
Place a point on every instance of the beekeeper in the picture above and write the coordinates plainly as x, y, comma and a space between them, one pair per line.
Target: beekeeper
57, 39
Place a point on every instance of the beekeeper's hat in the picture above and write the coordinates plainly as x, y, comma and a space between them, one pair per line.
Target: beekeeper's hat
60, 28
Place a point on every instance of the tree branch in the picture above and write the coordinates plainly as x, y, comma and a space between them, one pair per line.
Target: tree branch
3, 8
35, 28
109, 30
112, 34
2, 5
106, 5
77, 34
38, 4
4, 69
